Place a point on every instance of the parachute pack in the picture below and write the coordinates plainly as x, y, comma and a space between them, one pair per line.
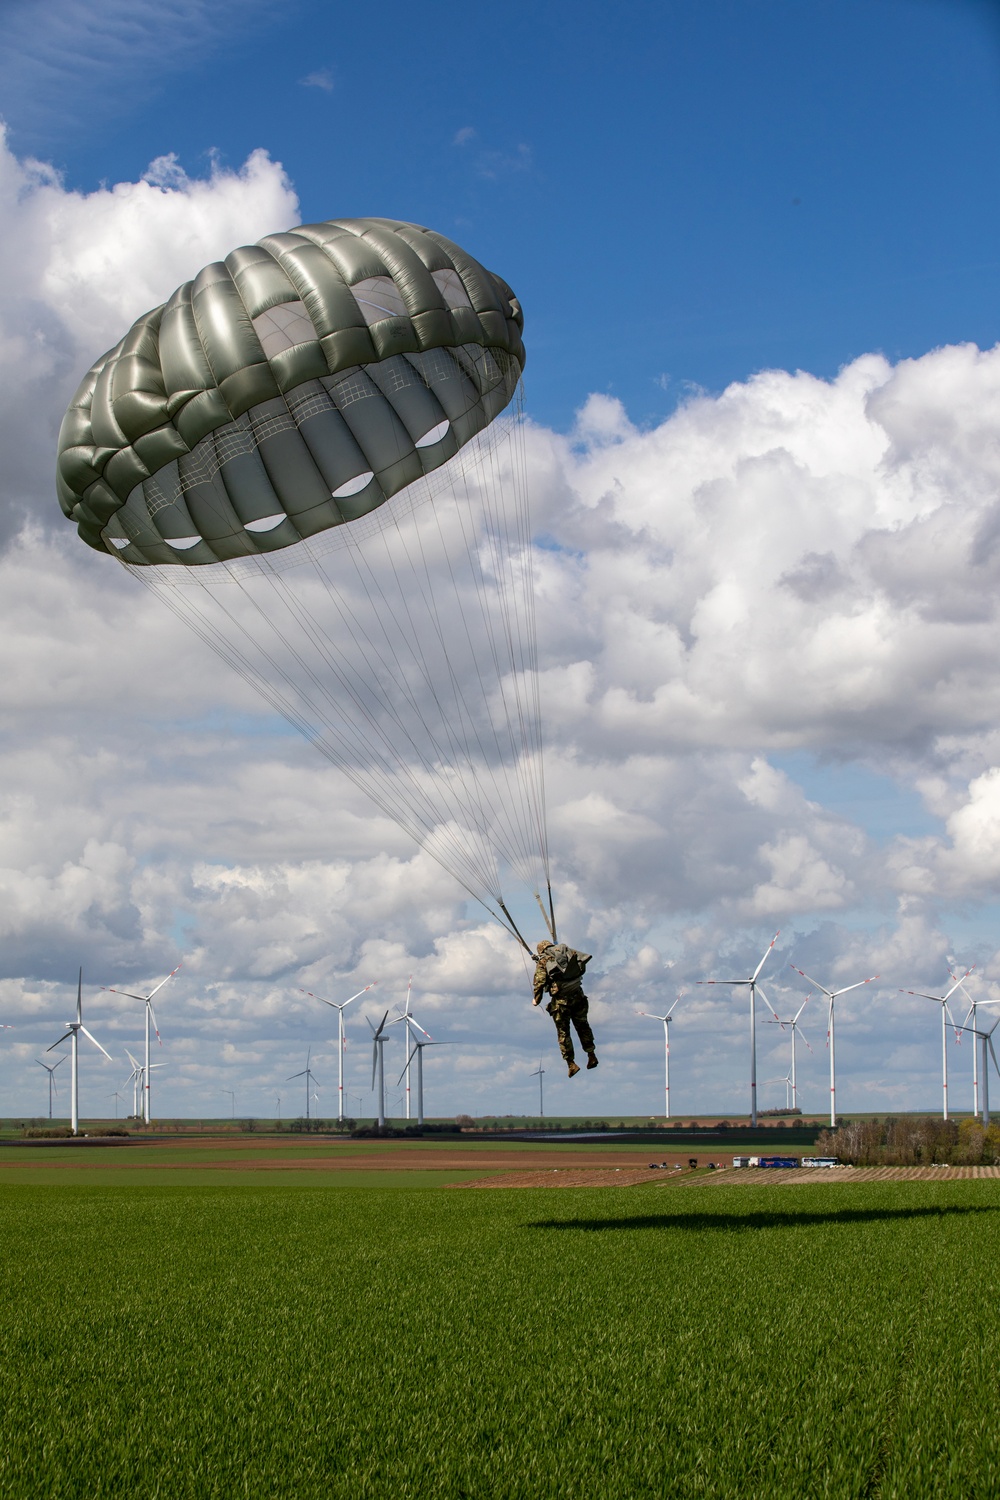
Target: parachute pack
565, 963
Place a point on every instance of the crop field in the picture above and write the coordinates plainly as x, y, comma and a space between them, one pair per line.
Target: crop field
671, 1340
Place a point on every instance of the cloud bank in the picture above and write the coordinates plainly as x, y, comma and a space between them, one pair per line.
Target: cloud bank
791, 568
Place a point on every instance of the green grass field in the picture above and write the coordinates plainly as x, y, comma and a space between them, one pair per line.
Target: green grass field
386, 1343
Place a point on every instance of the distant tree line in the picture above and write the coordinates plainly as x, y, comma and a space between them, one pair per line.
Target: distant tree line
907, 1142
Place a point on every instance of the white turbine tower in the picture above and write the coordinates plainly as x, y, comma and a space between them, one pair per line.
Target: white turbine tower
73, 1035
307, 1074
666, 1053
793, 1022
379, 1040
946, 1016
753, 987
147, 1000
341, 1038
831, 996
50, 1069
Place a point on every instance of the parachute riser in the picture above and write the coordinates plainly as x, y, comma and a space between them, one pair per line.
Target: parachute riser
548, 917
514, 929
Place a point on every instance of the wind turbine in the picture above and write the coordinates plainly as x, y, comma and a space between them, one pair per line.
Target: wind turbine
973, 1008
787, 1081
379, 1040
666, 1054
794, 1024
986, 1037
539, 1073
232, 1097
73, 1033
147, 1000
411, 1024
418, 1053
307, 1074
946, 1016
135, 1079
117, 1098
752, 985
341, 1039
50, 1069
831, 996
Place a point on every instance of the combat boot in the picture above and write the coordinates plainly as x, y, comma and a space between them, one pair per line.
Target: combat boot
574, 1067
591, 1059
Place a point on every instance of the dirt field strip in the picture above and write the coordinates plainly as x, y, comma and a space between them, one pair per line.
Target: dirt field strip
392, 1159
729, 1176
752, 1176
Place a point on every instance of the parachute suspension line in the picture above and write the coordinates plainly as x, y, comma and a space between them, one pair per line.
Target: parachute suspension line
349, 679
430, 704
524, 663
467, 722
546, 917
452, 719
429, 821
235, 659
502, 662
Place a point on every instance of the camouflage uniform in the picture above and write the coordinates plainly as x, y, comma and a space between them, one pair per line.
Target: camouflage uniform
568, 1004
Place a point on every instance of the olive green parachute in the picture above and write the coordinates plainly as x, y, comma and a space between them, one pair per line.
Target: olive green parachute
289, 388
313, 453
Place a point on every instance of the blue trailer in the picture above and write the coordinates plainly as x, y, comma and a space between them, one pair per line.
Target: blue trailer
777, 1161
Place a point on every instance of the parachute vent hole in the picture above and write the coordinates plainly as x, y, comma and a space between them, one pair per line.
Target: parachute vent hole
434, 436
266, 523
353, 486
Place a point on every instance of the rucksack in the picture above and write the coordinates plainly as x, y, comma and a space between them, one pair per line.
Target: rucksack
565, 963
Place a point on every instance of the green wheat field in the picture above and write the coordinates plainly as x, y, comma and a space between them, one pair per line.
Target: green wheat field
382, 1343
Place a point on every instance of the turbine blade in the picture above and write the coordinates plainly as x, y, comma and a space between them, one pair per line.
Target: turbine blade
811, 981
64, 1038
857, 986
110, 990
164, 981
406, 1065
801, 1009
766, 952
96, 1043
152, 1014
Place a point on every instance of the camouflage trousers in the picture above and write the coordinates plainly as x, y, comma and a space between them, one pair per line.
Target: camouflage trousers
567, 1008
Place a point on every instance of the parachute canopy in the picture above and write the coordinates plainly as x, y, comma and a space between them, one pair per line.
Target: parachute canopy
299, 453
291, 387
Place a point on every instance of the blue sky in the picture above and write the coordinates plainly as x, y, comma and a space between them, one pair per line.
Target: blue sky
681, 193
768, 596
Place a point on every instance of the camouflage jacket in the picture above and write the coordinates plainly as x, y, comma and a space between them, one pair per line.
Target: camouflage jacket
548, 976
